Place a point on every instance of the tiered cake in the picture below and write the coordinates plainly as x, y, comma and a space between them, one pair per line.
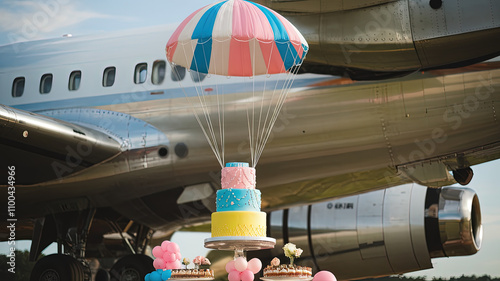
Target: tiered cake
238, 204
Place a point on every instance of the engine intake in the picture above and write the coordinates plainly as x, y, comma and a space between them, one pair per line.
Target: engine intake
454, 216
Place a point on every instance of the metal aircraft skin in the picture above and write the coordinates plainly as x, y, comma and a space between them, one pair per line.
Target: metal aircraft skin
390, 38
103, 141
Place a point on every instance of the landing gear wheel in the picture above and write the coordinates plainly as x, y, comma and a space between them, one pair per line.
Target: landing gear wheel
102, 275
131, 268
57, 268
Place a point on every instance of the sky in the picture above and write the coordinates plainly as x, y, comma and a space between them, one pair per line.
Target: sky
40, 19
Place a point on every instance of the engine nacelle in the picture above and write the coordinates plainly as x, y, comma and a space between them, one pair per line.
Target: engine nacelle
380, 233
381, 39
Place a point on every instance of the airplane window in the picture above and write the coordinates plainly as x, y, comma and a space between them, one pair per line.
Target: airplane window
74, 80
197, 76
141, 72
178, 73
18, 87
158, 72
46, 83
108, 76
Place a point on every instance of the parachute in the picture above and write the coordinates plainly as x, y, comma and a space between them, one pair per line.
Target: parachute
230, 42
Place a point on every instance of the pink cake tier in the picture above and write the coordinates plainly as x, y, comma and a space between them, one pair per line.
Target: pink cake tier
238, 177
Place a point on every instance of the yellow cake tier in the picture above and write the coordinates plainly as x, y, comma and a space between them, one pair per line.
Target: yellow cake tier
239, 223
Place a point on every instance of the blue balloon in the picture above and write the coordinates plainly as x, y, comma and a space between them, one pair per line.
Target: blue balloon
166, 274
146, 278
155, 276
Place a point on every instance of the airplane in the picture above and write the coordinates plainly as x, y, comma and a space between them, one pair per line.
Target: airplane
106, 156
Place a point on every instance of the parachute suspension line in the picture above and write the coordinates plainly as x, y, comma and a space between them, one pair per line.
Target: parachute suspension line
207, 101
250, 117
290, 77
267, 124
222, 125
263, 127
262, 124
208, 129
197, 117
253, 138
209, 124
221, 117
219, 98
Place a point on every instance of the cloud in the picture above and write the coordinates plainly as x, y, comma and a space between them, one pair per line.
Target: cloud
28, 20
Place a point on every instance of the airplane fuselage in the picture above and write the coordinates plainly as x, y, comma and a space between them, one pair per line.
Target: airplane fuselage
334, 137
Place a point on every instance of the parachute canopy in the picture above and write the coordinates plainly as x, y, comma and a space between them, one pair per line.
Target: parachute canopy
259, 50
236, 38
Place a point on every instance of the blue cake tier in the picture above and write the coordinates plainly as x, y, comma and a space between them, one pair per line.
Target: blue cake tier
238, 200
237, 164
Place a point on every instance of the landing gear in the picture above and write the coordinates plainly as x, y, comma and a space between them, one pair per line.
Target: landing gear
57, 267
131, 268
71, 236
463, 176
71, 230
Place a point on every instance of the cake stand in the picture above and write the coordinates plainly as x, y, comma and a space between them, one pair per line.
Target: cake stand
240, 243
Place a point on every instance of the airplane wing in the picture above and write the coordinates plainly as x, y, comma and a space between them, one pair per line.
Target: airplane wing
52, 147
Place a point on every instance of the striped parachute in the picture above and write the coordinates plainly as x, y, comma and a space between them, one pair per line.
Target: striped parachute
238, 38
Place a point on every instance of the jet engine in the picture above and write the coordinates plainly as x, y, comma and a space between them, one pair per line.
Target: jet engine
385, 232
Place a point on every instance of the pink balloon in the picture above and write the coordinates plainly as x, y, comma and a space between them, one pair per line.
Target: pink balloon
234, 275
159, 263
178, 256
240, 264
177, 264
157, 252
173, 247
169, 257
164, 245
170, 265
246, 275
230, 266
254, 265
324, 276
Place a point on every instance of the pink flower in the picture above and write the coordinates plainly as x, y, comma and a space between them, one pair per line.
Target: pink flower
201, 260
298, 252
275, 262
198, 260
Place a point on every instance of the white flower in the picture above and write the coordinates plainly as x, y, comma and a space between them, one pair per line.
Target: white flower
289, 250
186, 261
